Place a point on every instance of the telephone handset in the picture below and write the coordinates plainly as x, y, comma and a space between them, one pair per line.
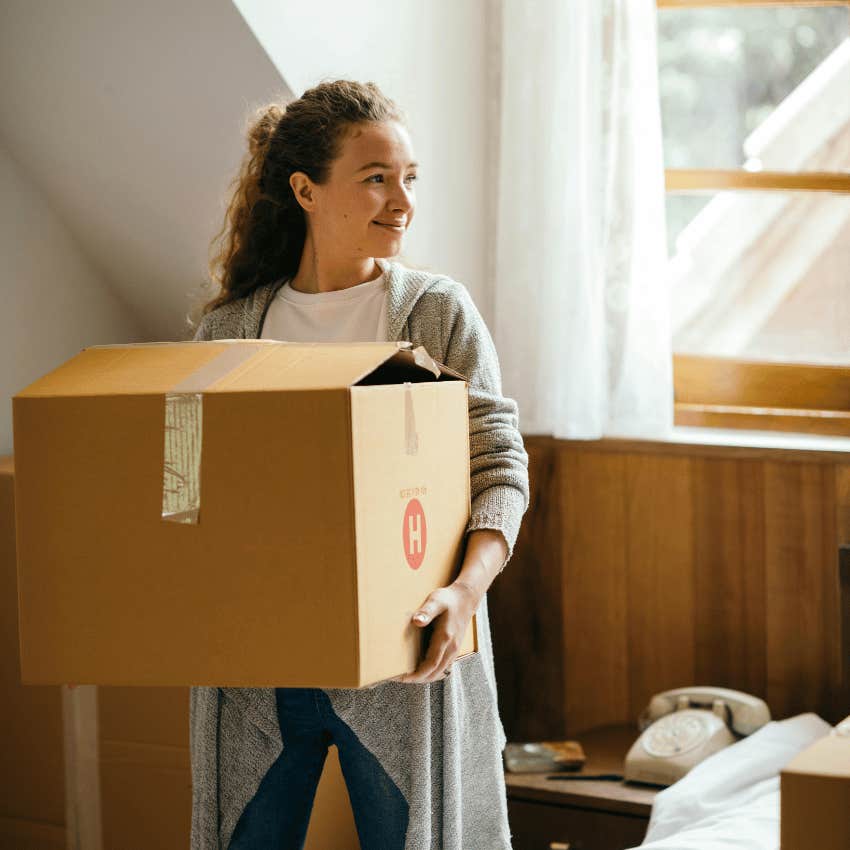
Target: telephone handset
682, 727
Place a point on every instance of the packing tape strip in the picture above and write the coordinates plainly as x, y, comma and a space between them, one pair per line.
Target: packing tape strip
411, 438
422, 358
183, 438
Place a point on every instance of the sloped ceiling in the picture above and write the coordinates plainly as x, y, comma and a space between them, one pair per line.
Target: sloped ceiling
129, 117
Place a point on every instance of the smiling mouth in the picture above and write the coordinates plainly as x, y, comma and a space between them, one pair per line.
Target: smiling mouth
396, 228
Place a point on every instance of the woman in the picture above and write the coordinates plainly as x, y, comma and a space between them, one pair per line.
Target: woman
321, 204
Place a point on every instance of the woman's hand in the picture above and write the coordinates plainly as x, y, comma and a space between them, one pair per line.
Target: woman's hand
450, 609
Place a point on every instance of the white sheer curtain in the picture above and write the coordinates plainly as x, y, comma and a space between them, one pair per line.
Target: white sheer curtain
580, 305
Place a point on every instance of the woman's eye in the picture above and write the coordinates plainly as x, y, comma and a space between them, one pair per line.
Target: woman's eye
410, 177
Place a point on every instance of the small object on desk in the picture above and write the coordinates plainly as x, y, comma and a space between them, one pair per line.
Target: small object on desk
544, 756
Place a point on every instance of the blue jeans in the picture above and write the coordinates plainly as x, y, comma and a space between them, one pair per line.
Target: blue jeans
277, 816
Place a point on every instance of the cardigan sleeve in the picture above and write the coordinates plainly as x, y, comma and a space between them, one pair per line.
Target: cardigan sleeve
498, 459
202, 331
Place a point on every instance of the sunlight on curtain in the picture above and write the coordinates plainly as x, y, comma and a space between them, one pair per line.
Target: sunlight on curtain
581, 308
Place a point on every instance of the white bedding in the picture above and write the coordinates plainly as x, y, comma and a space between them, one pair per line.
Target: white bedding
730, 801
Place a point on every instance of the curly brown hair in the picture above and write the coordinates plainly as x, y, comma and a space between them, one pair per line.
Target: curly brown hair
264, 228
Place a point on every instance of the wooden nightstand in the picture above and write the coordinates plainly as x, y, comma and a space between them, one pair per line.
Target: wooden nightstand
564, 815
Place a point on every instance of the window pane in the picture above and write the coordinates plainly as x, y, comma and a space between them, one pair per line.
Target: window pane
764, 275
759, 88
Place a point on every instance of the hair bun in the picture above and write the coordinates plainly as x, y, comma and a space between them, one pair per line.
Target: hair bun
262, 128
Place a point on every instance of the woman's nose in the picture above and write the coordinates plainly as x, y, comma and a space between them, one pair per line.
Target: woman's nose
402, 197
402, 203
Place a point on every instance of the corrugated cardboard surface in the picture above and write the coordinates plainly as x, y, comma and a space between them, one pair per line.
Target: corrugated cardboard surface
114, 595
32, 799
815, 795
426, 466
180, 604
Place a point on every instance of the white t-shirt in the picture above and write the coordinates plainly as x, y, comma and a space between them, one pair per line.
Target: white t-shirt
355, 314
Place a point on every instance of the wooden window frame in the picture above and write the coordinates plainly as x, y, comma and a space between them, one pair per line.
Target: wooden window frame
730, 392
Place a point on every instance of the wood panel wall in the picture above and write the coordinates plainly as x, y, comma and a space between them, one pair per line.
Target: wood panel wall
646, 566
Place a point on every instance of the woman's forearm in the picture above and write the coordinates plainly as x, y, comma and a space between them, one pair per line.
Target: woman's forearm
486, 551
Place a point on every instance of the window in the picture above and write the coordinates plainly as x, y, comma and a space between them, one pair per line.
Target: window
756, 123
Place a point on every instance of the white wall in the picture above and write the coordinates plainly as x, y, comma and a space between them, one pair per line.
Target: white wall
55, 302
430, 58
130, 117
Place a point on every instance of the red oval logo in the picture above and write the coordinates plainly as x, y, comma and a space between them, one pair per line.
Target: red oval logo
414, 534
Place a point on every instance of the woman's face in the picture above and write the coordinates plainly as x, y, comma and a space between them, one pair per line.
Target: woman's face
368, 202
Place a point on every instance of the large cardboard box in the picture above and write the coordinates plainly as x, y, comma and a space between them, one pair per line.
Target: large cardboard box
815, 794
237, 513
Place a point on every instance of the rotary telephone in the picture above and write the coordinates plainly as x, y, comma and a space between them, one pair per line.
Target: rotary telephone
682, 727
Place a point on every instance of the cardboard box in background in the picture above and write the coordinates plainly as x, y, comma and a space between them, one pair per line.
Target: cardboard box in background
32, 795
237, 513
145, 773
815, 794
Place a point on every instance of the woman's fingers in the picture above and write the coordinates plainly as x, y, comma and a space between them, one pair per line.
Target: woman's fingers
449, 655
444, 653
429, 663
449, 611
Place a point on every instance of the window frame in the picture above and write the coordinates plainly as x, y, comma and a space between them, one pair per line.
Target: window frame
730, 392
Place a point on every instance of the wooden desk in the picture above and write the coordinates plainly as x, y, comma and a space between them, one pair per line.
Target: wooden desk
560, 815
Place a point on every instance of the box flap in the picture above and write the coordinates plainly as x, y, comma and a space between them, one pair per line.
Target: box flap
138, 369
231, 366
414, 365
329, 365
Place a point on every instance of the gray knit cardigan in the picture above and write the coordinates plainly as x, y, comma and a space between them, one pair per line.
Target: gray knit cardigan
440, 742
